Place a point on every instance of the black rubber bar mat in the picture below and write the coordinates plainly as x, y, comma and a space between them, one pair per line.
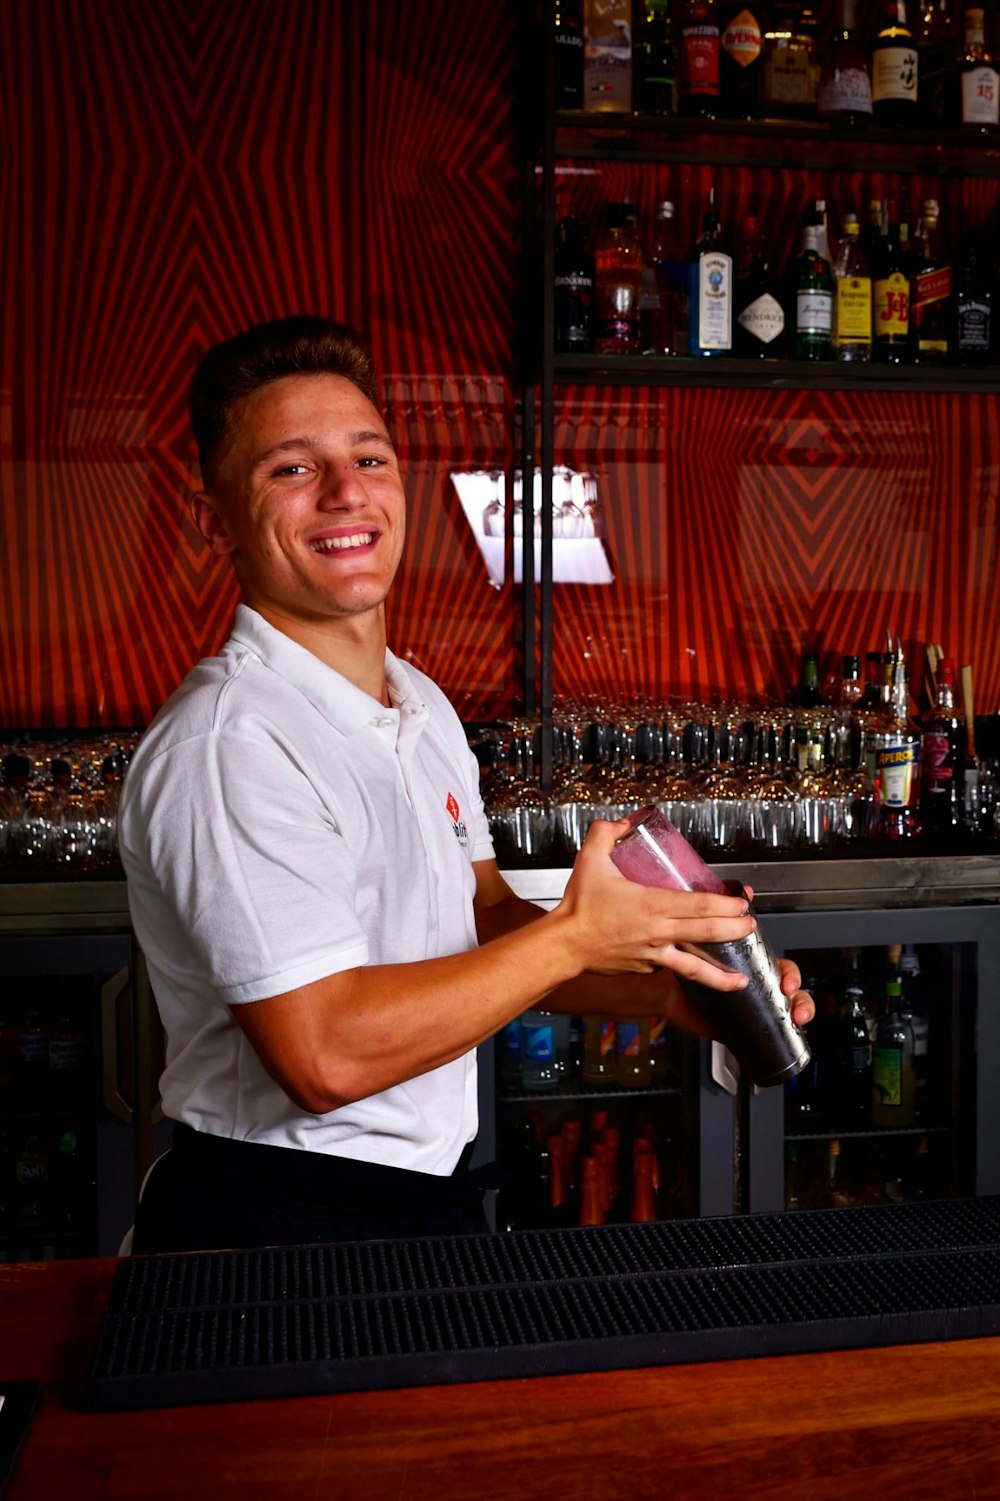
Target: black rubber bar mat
227, 1325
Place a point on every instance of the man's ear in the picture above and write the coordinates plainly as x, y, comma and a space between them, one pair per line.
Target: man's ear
206, 517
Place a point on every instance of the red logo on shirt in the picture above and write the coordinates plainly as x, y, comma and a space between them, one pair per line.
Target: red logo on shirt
453, 808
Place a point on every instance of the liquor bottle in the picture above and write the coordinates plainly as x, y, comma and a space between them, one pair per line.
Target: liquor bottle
573, 297
759, 329
617, 282
891, 322
654, 60
895, 69
854, 1092
710, 304
835, 1193
937, 48
793, 1177
671, 270
973, 303
591, 1197
942, 758
633, 1067
897, 760
871, 695
599, 1050
791, 61
66, 1058
567, 25
930, 292
893, 1082
32, 1056
823, 243
914, 1011
873, 234
32, 1173
813, 299
852, 312
810, 694
844, 93
978, 77
643, 1210
699, 59
607, 56
741, 43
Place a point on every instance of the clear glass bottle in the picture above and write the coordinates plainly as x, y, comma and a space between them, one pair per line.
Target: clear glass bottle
978, 77
618, 263
844, 92
710, 304
852, 314
791, 61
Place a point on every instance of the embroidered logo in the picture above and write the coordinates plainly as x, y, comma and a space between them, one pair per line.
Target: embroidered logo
454, 813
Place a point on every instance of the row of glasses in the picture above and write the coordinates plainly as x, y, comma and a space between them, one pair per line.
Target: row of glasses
728, 775
59, 805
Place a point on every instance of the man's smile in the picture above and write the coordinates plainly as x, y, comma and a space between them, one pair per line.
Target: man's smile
339, 544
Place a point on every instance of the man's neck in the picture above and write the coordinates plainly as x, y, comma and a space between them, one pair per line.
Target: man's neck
354, 647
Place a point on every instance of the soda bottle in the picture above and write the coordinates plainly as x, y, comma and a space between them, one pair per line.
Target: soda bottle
539, 1069
634, 1065
599, 1050
509, 1045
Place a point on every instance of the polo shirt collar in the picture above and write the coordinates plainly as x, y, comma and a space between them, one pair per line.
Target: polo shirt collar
342, 704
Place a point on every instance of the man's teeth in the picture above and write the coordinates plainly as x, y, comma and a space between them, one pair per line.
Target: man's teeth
337, 544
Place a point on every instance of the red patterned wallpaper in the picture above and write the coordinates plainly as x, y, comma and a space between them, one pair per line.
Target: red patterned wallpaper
172, 171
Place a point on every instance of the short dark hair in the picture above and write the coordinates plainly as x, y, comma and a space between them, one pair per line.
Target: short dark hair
302, 345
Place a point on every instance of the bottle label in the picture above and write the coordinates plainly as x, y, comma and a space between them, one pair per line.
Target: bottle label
742, 40
931, 286
65, 1053
33, 1047
700, 62
764, 318
854, 310
814, 312
629, 1039
789, 77
607, 1032
936, 761
887, 1076
974, 320
714, 274
897, 773
894, 73
538, 1041
981, 96
657, 1032
892, 306
848, 92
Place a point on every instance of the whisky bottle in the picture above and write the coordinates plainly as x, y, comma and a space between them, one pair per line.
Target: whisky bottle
891, 322
973, 304
844, 95
930, 293
937, 50
895, 69
567, 25
791, 61
852, 313
979, 79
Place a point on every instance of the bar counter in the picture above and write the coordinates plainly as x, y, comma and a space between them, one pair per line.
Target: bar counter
913, 1422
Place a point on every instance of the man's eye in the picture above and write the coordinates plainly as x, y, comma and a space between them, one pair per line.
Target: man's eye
291, 469
371, 461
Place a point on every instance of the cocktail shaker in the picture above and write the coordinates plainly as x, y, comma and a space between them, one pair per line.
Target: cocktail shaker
754, 1023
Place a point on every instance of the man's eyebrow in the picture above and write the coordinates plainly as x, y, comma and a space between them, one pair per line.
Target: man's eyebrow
357, 439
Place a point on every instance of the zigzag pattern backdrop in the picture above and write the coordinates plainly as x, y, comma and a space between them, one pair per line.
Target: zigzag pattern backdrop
172, 171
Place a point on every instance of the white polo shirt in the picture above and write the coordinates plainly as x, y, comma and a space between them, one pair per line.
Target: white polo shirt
278, 825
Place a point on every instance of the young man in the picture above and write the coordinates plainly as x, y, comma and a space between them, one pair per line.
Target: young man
310, 871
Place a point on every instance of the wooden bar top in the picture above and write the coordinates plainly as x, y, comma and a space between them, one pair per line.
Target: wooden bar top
906, 1421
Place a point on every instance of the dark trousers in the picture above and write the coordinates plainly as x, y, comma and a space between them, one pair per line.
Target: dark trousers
212, 1193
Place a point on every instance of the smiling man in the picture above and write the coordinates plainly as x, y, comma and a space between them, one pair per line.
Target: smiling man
309, 865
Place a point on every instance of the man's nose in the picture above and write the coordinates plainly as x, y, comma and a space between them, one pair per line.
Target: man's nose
342, 487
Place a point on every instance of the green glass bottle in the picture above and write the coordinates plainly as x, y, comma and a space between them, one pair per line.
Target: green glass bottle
813, 299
